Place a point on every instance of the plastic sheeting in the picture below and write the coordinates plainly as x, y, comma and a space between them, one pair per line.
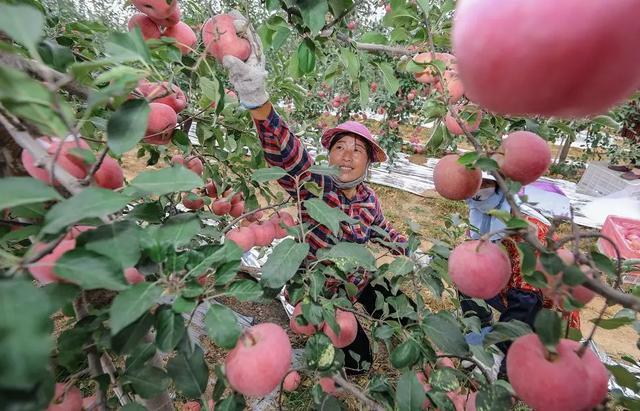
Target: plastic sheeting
418, 179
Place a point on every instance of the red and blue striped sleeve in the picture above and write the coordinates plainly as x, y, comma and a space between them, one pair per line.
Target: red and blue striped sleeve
282, 148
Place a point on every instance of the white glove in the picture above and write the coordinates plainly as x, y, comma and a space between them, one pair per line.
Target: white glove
421, 258
248, 77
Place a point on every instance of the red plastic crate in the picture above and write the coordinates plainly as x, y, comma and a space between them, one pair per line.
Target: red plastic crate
625, 233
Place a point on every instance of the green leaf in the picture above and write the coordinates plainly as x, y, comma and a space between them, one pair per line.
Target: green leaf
613, 323
391, 83
91, 202
147, 381
170, 329
487, 164
130, 46
129, 339
22, 23
222, 326
352, 64
313, 13
281, 35
306, 56
26, 334
349, 256
517, 223
444, 331
127, 125
375, 38
506, 331
166, 180
319, 353
401, 266
245, 290
119, 241
283, 263
494, 397
405, 354
624, 377
90, 270
444, 379
606, 121
528, 258
140, 355
469, 158
262, 175
190, 372
548, 326
131, 304
410, 394
326, 215
324, 170
425, 6
364, 92
15, 191
604, 264
228, 252
176, 231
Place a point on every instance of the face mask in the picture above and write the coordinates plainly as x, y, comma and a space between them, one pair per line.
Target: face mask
484, 193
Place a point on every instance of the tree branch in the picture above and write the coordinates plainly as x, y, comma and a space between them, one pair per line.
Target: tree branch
40, 156
376, 48
357, 392
44, 72
94, 363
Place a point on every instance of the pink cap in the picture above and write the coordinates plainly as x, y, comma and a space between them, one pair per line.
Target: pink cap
353, 127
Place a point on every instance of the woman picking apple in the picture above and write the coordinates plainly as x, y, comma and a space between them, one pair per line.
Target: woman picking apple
352, 149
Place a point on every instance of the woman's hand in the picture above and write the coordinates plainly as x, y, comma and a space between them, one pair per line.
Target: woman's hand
248, 77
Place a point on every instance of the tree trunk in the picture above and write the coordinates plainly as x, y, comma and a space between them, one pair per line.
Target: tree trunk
564, 151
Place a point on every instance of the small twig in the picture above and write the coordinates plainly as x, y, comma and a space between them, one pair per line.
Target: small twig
40, 155
44, 72
107, 365
357, 392
596, 323
92, 357
342, 15
235, 220
471, 359
95, 166
15, 222
393, 50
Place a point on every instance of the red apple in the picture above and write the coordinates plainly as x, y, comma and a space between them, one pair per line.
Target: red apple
42, 270
148, 27
162, 121
66, 399
243, 237
291, 381
183, 35
259, 361
220, 38
530, 58
479, 269
543, 381
308, 329
526, 157
133, 276
454, 181
348, 329
109, 174
156, 9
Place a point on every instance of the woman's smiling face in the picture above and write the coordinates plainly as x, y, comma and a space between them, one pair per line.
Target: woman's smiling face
349, 153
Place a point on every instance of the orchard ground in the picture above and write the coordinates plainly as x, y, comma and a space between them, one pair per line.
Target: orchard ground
429, 212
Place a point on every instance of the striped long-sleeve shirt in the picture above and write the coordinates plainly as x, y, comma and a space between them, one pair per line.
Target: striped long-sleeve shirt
284, 149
